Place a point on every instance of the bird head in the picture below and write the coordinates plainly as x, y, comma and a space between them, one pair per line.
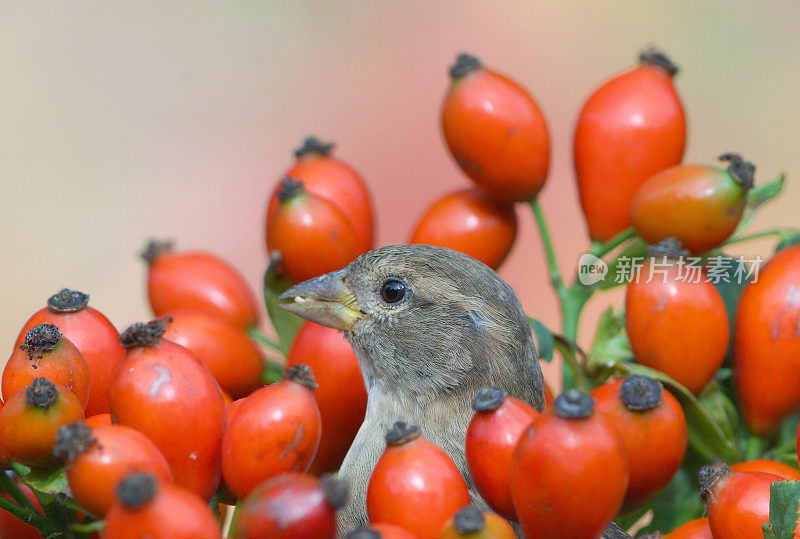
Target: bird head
421, 318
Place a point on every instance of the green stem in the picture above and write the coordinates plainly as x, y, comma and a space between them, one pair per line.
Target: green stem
547, 242
260, 338
781, 232
602, 249
61, 515
755, 447
88, 529
19, 469
567, 350
9, 485
27, 515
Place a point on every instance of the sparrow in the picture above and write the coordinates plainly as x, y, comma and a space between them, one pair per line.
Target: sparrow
430, 326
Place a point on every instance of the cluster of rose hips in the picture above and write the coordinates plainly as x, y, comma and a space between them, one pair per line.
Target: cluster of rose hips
159, 430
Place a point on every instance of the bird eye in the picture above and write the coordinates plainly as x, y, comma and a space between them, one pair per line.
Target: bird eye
393, 291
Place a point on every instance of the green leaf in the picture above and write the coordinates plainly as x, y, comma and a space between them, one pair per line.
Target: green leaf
788, 241
706, 437
758, 196
610, 344
609, 325
50, 480
784, 500
714, 400
676, 504
285, 323
621, 267
544, 340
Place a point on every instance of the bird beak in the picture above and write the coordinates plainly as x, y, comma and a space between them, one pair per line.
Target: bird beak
325, 300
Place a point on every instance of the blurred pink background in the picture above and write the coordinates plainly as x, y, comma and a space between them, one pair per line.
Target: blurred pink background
175, 119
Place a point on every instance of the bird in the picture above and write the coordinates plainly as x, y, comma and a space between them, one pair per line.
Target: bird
430, 326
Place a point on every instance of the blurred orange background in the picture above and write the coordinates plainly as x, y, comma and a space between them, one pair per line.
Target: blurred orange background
175, 119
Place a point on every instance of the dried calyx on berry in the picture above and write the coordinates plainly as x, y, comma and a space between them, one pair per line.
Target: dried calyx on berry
743, 172
313, 146
41, 393
402, 433
640, 393
289, 189
154, 249
488, 399
573, 404
464, 64
336, 490
136, 490
469, 519
144, 334
73, 440
709, 475
668, 247
67, 301
301, 374
40, 339
658, 58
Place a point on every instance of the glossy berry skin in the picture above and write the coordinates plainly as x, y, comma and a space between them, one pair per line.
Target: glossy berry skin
676, 326
341, 395
163, 391
98, 420
496, 131
699, 205
767, 344
63, 365
291, 505
92, 333
738, 504
28, 432
331, 178
494, 527
198, 280
569, 475
233, 407
469, 221
173, 513
654, 440
417, 487
13, 528
780, 469
629, 128
288, 412
312, 234
492, 437
234, 360
117, 452
694, 529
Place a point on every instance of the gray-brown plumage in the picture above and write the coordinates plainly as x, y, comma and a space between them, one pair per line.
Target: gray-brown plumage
457, 327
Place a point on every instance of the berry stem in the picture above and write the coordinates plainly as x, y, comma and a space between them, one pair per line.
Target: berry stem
28, 516
572, 300
12, 488
602, 249
780, 232
255, 334
547, 242
567, 351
